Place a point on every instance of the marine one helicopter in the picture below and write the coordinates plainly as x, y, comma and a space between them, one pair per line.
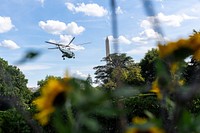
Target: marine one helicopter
65, 49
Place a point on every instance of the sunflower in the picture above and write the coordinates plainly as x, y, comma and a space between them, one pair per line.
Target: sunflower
141, 125
182, 48
53, 94
155, 88
139, 120
149, 130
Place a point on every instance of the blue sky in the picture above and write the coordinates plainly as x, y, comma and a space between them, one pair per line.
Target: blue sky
26, 24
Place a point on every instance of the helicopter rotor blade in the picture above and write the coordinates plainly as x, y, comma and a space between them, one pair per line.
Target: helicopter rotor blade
57, 44
53, 48
71, 41
51, 42
71, 48
84, 43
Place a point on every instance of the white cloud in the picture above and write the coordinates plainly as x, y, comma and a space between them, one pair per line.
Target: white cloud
149, 33
79, 75
73, 28
161, 1
162, 6
65, 39
77, 47
5, 24
139, 50
53, 26
145, 24
42, 2
119, 10
70, 6
56, 27
121, 39
87, 9
194, 9
139, 40
173, 20
9, 44
170, 20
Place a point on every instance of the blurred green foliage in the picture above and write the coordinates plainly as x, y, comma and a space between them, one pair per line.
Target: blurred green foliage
100, 109
12, 121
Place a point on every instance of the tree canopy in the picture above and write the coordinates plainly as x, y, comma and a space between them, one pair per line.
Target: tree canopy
13, 82
118, 66
148, 67
14, 99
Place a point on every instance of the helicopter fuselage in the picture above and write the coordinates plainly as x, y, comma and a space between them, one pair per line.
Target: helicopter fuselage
66, 52
65, 49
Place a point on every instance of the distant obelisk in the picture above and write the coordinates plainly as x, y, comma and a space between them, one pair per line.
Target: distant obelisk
107, 47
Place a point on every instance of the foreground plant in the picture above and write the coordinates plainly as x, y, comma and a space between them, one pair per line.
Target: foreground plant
142, 125
89, 110
170, 81
53, 95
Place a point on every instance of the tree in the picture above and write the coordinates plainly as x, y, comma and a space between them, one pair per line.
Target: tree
13, 82
134, 76
148, 65
192, 71
118, 67
14, 99
103, 73
89, 79
42, 82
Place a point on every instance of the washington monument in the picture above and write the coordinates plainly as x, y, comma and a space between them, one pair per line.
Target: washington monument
107, 47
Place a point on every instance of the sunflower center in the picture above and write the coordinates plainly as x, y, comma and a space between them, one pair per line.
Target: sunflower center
143, 132
59, 99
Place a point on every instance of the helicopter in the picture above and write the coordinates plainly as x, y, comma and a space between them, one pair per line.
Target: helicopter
65, 49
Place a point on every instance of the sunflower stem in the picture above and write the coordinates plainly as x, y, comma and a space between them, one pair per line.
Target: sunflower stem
70, 115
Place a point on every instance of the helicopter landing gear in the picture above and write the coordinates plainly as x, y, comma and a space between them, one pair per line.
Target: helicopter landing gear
63, 57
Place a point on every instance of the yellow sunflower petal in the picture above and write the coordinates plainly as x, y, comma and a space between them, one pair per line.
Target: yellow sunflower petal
193, 44
132, 130
44, 115
45, 103
156, 130
156, 89
139, 120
